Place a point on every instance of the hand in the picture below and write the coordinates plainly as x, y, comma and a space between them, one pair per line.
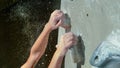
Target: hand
67, 41
56, 19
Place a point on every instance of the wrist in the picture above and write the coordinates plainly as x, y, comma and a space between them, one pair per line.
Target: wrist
62, 51
48, 27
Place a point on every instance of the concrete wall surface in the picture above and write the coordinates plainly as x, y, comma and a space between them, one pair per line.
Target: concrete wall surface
94, 20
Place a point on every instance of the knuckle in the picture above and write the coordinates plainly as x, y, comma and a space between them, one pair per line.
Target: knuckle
72, 37
71, 42
71, 34
58, 11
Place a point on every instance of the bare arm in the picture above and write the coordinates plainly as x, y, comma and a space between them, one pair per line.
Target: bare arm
40, 44
38, 48
57, 58
67, 40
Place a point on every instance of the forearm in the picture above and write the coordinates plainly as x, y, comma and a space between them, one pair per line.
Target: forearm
57, 58
41, 42
38, 48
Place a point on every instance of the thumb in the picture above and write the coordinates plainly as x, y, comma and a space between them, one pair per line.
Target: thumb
57, 46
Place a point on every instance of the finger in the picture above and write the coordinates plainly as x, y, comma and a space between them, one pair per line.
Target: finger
59, 23
69, 35
71, 39
58, 11
54, 12
70, 44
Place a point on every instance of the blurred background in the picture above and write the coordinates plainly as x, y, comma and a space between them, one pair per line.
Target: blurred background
21, 22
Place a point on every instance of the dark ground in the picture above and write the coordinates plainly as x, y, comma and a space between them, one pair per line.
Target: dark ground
20, 25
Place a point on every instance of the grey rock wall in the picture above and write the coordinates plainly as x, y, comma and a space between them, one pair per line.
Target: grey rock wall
94, 20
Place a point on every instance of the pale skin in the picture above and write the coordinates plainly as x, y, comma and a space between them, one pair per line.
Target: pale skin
67, 41
39, 47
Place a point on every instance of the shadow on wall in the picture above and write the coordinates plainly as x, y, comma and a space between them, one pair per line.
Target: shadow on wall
20, 25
